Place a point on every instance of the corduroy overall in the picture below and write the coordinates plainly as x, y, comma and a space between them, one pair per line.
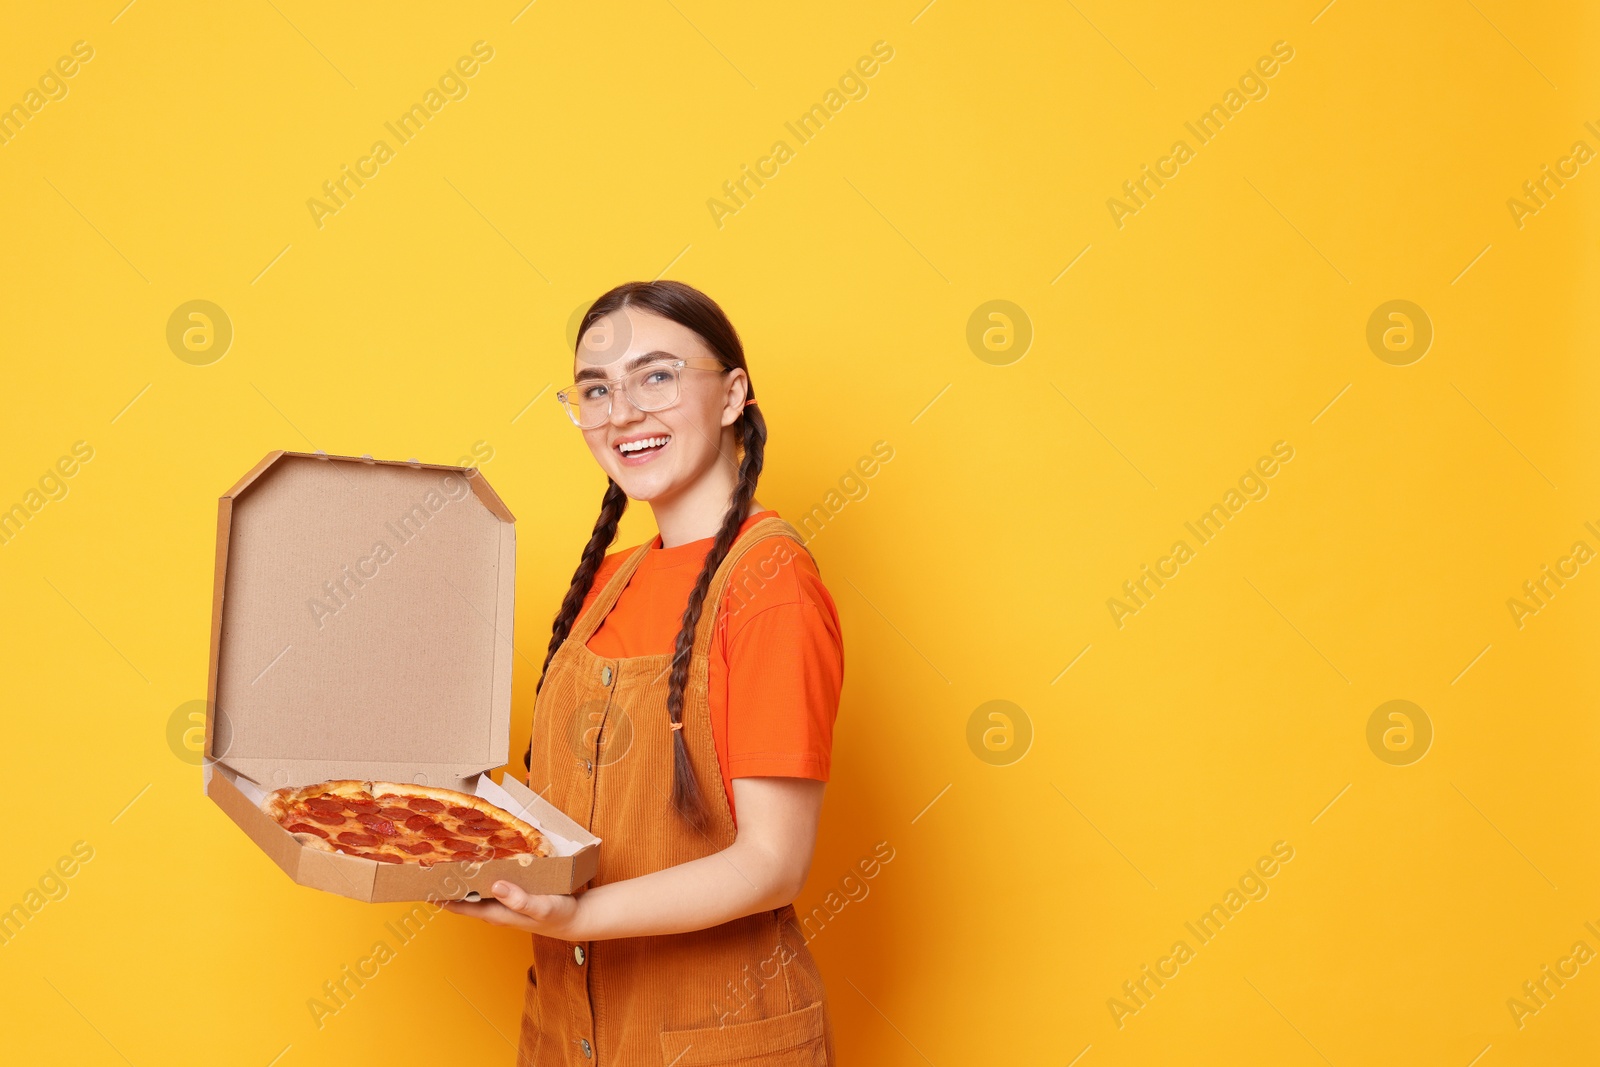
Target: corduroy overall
747, 991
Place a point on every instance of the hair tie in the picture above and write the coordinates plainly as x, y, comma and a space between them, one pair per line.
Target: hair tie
677, 726
750, 402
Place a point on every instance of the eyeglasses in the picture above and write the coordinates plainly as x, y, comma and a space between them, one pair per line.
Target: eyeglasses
652, 387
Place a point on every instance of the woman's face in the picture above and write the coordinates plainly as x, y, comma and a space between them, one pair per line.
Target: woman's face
681, 442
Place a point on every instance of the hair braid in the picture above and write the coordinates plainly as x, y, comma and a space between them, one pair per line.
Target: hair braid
687, 795
612, 506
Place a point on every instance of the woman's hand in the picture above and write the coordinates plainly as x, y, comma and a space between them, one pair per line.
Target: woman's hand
549, 914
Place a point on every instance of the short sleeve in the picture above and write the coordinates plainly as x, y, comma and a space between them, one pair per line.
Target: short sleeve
785, 671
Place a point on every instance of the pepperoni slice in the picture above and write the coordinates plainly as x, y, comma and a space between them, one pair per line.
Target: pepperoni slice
419, 822
419, 849
326, 805
381, 857
451, 844
361, 807
424, 804
464, 856
307, 828
378, 825
468, 814
350, 837
502, 853
509, 841
435, 832
397, 814
482, 829
335, 819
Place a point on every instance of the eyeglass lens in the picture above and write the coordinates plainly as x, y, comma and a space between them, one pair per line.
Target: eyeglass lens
648, 389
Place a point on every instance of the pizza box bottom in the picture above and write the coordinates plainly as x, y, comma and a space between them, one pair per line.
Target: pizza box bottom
575, 851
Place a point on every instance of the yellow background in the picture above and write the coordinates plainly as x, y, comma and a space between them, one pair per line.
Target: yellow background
1228, 714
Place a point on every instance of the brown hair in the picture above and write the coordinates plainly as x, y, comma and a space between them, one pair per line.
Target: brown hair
688, 307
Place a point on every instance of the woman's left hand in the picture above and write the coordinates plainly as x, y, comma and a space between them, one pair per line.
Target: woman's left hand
544, 913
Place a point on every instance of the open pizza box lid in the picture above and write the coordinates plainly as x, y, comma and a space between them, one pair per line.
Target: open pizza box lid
361, 628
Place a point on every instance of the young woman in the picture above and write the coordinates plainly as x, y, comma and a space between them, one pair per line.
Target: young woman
685, 716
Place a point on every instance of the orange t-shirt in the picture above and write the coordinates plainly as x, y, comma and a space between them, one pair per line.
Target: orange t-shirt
777, 657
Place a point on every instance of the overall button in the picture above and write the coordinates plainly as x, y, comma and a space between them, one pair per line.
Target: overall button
577, 954
588, 1049
605, 675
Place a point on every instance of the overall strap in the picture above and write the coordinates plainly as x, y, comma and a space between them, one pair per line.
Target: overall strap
590, 620
761, 531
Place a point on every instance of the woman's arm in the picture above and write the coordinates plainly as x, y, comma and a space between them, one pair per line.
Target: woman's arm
764, 868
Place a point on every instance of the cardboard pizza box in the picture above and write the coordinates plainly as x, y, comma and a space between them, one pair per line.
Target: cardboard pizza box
361, 628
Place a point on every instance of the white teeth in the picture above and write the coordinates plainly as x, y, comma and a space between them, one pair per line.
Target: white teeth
634, 446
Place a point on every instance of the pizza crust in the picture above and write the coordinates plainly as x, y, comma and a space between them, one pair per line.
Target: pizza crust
281, 802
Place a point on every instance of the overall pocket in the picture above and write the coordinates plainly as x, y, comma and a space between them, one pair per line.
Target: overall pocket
794, 1039
528, 1039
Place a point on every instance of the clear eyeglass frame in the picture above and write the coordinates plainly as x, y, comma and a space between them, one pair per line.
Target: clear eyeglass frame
588, 411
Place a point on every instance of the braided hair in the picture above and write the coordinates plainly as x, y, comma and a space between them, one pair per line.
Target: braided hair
691, 308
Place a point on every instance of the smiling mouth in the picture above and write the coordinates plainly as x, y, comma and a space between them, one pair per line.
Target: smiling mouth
643, 448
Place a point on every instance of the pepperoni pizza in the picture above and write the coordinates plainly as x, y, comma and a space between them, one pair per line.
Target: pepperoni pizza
394, 823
